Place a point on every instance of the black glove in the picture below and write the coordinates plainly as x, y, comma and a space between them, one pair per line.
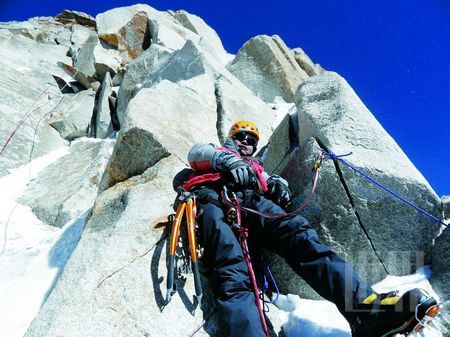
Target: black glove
240, 174
236, 171
278, 190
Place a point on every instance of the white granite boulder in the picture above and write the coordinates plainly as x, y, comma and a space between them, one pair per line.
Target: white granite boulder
156, 65
268, 68
72, 117
166, 119
330, 112
209, 40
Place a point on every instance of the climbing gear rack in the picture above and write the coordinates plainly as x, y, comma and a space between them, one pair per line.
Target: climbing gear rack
186, 206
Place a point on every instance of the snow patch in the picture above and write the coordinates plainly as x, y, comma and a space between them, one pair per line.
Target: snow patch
282, 109
310, 318
229, 58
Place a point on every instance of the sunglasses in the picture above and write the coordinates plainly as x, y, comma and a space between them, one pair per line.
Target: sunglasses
249, 138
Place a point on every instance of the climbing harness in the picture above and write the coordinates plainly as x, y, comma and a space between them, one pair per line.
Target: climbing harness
187, 205
373, 181
235, 215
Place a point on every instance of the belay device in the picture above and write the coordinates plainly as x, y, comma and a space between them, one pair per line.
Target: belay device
187, 205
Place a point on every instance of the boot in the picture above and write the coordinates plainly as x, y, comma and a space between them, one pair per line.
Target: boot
385, 315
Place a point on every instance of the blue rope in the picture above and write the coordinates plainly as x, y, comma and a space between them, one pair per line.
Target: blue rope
274, 284
339, 157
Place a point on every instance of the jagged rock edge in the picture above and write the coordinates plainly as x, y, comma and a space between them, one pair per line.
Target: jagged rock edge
219, 109
275, 39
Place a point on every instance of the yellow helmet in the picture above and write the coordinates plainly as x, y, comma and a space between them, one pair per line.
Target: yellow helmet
244, 126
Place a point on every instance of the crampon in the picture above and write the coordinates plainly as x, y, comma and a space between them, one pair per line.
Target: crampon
389, 315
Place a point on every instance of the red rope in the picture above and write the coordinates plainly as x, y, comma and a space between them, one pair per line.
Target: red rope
243, 234
22, 121
28, 114
24, 118
315, 179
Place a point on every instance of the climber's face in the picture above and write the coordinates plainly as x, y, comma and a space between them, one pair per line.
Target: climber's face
245, 143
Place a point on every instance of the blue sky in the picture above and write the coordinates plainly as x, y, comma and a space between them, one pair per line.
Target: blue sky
395, 54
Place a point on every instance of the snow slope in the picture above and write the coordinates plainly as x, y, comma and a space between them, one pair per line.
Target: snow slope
32, 253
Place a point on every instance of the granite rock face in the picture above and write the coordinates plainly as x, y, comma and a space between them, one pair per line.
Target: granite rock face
331, 214
360, 221
80, 18
137, 72
305, 62
101, 124
167, 107
236, 102
119, 287
42, 30
209, 40
159, 82
113, 280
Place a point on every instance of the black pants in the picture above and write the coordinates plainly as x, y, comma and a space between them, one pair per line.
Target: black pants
294, 240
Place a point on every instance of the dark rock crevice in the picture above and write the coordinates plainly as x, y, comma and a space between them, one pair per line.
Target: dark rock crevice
112, 102
352, 203
294, 143
293, 131
147, 39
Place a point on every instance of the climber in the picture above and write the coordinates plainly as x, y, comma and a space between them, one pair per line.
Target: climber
232, 165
